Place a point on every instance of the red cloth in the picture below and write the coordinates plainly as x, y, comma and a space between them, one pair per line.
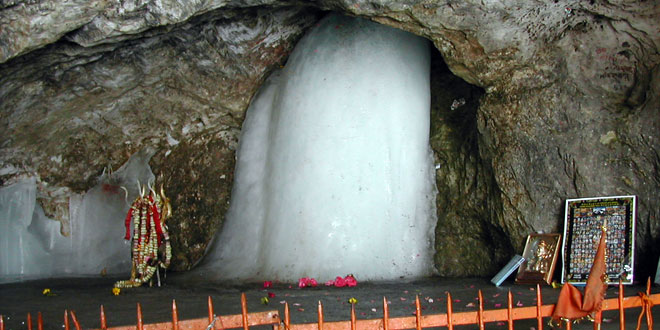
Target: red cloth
127, 223
156, 215
572, 304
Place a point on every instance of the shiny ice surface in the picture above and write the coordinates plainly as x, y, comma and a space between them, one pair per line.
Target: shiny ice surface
32, 245
334, 172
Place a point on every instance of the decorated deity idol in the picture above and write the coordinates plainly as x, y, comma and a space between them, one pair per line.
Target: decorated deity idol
150, 248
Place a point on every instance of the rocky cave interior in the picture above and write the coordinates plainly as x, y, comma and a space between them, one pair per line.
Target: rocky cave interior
561, 100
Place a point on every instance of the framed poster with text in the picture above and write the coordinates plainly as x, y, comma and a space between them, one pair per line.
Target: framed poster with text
582, 229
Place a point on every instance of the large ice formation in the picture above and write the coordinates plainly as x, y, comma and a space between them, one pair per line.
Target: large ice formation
32, 246
334, 172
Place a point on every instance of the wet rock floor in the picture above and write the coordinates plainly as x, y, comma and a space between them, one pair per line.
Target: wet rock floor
86, 295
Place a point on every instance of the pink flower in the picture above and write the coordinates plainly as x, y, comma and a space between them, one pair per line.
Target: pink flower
350, 280
268, 284
339, 282
271, 295
305, 282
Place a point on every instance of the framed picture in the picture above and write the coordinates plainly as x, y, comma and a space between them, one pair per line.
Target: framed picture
541, 251
582, 230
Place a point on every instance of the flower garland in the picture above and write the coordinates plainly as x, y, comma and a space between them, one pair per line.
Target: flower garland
148, 214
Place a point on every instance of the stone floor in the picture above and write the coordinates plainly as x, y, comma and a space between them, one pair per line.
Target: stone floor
86, 295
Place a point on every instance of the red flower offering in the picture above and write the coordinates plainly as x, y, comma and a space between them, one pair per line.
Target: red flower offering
340, 282
350, 280
307, 282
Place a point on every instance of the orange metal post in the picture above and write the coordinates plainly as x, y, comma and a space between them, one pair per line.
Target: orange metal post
418, 314
40, 321
140, 324
649, 317
622, 315
598, 320
353, 318
175, 316
539, 303
386, 315
244, 312
450, 313
320, 316
287, 317
66, 320
210, 303
509, 310
480, 313
75, 320
29, 321
104, 323
2, 323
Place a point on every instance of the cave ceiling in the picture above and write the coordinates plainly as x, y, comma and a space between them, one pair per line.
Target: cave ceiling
563, 102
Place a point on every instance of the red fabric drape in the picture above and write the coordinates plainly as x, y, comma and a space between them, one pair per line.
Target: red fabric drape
127, 223
572, 304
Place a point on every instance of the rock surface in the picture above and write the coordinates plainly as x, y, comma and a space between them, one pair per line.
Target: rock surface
562, 101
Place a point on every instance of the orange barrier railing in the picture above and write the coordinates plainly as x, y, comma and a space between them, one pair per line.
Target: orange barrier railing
448, 320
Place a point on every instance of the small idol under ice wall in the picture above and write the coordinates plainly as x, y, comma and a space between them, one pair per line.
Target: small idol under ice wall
334, 172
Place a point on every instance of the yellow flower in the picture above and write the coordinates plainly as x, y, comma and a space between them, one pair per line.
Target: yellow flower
352, 300
116, 291
264, 300
46, 292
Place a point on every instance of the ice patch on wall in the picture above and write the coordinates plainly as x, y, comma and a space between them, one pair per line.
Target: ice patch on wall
334, 171
31, 245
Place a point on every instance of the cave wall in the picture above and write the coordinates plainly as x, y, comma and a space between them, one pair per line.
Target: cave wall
562, 101
72, 112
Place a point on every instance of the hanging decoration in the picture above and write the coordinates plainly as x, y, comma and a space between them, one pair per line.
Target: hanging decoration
150, 248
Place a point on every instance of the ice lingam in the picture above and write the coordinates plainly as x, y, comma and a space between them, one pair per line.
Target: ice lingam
334, 171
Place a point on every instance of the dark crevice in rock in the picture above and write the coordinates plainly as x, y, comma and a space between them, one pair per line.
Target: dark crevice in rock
467, 231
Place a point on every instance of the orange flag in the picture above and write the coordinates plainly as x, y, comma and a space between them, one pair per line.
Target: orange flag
571, 304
